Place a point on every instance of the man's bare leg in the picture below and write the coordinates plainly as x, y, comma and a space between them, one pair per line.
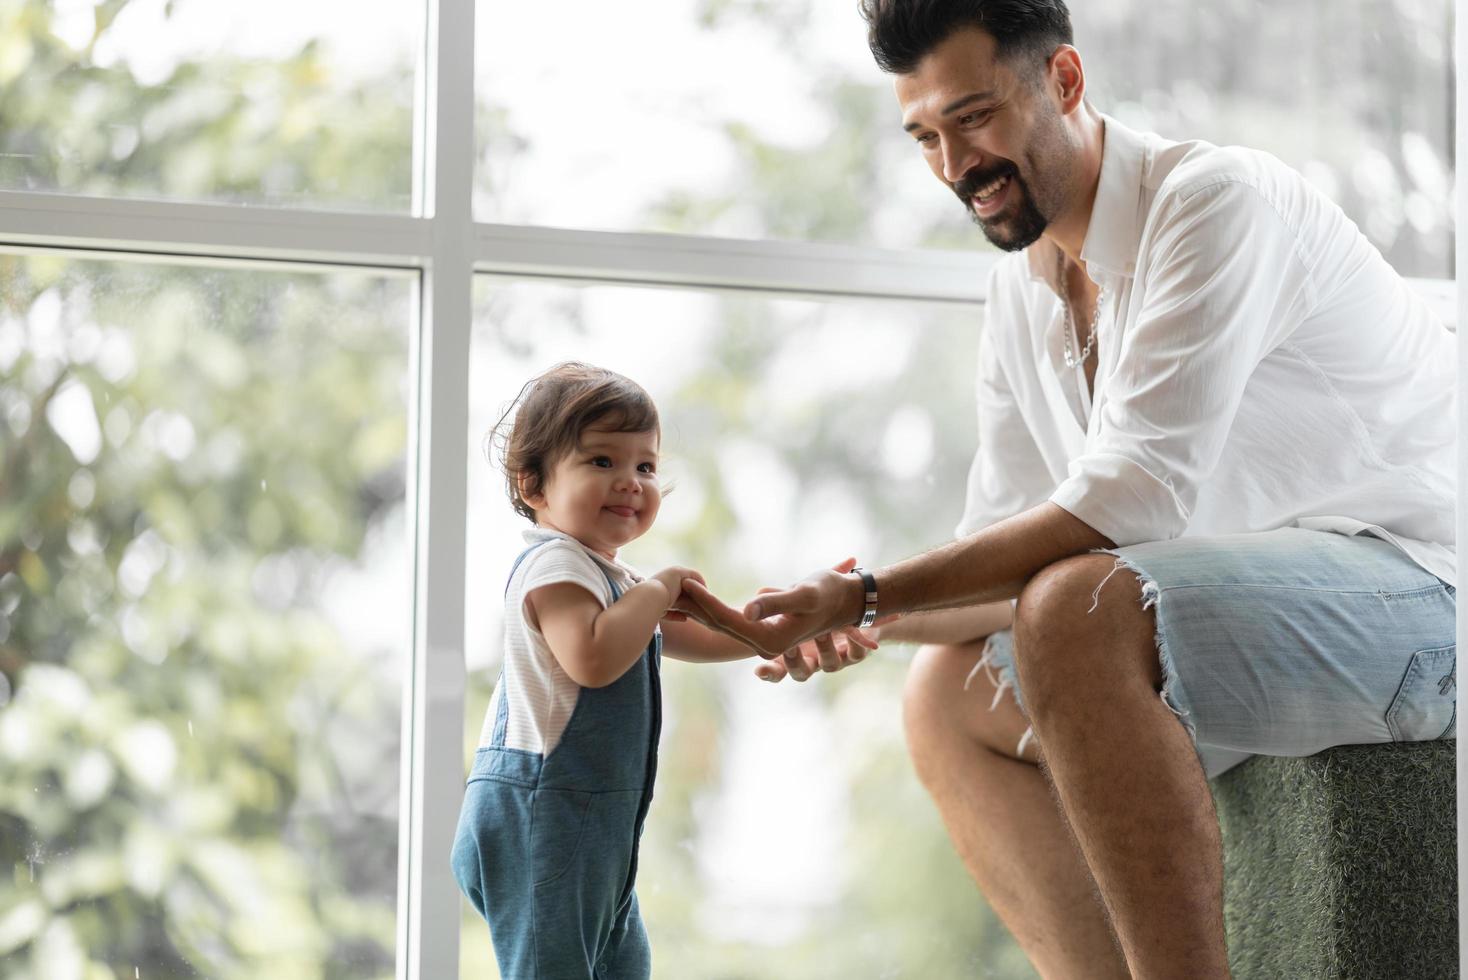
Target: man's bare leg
1124, 768
1003, 818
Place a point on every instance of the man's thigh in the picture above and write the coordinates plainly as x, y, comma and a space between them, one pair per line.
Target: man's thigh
1288, 642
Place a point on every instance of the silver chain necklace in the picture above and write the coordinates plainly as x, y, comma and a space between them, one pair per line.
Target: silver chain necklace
1070, 324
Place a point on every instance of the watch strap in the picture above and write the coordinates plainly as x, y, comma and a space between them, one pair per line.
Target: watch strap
869, 610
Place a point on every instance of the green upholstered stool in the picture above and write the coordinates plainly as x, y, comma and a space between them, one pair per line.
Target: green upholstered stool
1343, 864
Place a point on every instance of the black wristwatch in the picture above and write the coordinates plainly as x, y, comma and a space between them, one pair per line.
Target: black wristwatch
869, 612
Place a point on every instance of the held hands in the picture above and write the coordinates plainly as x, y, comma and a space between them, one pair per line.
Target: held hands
804, 628
672, 579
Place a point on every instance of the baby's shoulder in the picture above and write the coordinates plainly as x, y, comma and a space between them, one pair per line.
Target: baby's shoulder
555, 560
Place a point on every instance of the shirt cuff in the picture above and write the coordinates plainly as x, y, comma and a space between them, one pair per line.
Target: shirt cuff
1122, 500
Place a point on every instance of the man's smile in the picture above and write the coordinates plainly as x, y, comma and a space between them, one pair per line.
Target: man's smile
991, 198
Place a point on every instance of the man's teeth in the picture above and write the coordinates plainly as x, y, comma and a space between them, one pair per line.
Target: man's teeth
984, 193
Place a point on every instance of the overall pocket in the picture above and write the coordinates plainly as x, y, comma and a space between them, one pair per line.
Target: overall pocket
558, 821
1425, 706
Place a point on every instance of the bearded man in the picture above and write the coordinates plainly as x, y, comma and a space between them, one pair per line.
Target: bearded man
1210, 515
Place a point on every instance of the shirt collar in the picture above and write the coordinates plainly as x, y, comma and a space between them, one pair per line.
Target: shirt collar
535, 535
1115, 230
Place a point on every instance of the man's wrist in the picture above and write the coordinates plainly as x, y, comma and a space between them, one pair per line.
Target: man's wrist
866, 613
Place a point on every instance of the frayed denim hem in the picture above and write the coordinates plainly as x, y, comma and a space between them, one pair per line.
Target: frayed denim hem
1151, 598
997, 663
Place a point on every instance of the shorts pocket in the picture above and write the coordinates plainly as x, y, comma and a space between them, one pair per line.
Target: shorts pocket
558, 820
1425, 705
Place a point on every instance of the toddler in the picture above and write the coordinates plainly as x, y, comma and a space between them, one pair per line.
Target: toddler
546, 847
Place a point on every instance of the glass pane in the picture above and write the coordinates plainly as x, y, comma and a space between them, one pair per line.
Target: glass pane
769, 120
204, 613
777, 468
1358, 95
249, 101
744, 119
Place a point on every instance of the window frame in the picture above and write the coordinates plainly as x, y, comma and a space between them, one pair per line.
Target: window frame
441, 242
1460, 269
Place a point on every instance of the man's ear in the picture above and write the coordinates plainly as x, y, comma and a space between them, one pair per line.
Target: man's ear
1067, 77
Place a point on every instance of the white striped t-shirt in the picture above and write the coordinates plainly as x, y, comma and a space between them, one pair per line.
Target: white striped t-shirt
541, 695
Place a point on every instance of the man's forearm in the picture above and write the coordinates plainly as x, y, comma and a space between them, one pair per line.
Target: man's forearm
990, 566
964, 624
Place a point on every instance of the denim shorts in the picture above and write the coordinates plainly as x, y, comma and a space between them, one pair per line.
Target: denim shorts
1288, 642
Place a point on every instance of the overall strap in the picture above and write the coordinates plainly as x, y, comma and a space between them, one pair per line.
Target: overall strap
616, 592
502, 708
516, 566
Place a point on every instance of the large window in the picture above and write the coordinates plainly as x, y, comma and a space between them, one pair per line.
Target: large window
269, 269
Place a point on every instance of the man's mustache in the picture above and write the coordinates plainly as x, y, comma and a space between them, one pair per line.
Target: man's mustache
970, 183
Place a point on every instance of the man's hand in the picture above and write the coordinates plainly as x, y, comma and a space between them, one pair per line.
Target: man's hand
775, 622
826, 650
849, 646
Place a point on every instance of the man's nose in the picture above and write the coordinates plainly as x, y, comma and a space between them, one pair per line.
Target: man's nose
958, 159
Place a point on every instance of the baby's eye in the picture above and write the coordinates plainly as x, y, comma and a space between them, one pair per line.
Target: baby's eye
647, 467
605, 462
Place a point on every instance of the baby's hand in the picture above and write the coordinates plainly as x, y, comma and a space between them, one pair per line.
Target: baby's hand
672, 578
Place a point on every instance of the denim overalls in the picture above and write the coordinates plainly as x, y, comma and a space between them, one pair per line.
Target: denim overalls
546, 848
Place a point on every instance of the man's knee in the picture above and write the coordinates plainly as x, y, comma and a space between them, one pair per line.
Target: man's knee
1059, 597
1066, 617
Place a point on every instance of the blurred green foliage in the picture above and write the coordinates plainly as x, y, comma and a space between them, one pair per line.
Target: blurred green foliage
201, 768
190, 454
286, 131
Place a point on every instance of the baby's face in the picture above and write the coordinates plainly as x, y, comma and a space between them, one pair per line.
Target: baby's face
605, 492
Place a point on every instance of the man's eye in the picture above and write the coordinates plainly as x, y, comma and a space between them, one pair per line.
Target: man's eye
925, 138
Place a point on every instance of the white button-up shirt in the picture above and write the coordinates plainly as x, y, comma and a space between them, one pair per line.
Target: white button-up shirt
1259, 365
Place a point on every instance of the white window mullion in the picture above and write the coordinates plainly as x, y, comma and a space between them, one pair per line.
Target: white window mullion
723, 263
433, 714
116, 226
211, 230
1461, 261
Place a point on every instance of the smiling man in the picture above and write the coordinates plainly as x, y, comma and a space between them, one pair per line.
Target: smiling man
1210, 515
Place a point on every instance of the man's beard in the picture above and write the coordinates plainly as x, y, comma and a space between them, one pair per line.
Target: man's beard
1011, 234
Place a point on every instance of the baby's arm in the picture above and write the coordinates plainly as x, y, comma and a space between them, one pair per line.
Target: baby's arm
596, 645
692, 641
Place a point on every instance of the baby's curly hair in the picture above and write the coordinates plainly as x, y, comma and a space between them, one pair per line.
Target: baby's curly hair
545, 421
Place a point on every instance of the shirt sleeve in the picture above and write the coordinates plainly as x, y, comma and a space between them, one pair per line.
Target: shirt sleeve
562, 561
1008, 474
1224, 285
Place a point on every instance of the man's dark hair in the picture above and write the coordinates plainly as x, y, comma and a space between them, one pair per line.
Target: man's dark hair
902, 32
545, 423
